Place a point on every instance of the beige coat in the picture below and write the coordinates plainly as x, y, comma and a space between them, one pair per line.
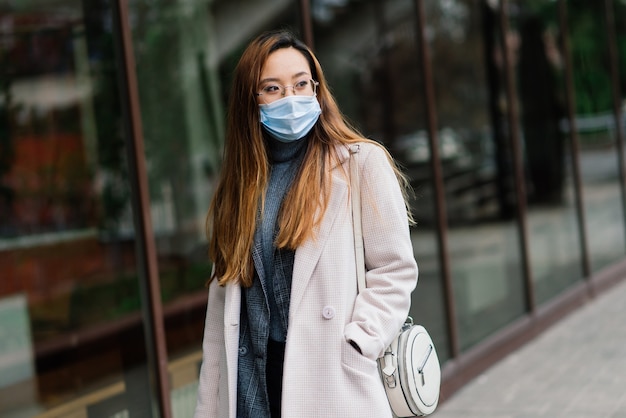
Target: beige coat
324, 376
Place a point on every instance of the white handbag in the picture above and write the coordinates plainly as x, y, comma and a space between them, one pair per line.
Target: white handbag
409, 369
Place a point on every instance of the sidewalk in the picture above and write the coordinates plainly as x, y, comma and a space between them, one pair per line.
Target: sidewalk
575, 369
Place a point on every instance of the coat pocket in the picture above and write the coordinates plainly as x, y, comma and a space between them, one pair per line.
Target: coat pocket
356, 362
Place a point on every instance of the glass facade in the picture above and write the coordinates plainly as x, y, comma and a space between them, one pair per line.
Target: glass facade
185, 53
555, 246
70, 323
520, 203
602, 166
476, 159
370, 58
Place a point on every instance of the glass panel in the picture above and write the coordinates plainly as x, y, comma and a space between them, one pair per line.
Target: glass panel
71, 335
552, 220
185, 53
619, 14
478, 174
604, 202
370, 58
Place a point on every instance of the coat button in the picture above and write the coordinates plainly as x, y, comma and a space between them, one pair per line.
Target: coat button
243, 351
328, 312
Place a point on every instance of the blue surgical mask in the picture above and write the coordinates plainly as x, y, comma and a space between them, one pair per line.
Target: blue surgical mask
291, 117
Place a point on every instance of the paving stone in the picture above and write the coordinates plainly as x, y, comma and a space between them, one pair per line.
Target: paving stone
575, 369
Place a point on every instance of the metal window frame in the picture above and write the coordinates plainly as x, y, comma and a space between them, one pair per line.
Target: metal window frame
149, 284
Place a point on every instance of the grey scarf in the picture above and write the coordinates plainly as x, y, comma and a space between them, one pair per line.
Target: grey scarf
265, 305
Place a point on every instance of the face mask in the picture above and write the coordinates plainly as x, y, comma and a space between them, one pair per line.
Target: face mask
291, 117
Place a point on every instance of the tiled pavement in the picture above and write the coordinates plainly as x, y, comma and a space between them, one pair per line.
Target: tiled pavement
575, 369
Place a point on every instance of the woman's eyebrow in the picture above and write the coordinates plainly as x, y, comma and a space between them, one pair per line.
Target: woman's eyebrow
275, 79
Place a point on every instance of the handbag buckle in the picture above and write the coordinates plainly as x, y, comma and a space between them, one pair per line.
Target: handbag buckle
389, 369
391, 381
408, 323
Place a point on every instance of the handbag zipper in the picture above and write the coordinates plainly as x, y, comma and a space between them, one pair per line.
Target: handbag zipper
420, 369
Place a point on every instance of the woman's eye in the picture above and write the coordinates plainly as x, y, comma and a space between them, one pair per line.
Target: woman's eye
271, 89
301, 85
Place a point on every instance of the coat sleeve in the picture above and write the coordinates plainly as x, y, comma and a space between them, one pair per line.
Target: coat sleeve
391, 269
212, 347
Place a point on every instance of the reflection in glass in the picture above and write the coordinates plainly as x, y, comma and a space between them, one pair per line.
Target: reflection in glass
603, 200
555, 254
371, 61
185, 53
69, 297
476, 163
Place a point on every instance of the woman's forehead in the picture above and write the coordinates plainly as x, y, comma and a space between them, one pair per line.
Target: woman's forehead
285, 64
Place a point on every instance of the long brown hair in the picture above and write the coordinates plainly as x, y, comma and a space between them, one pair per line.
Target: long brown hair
232, 216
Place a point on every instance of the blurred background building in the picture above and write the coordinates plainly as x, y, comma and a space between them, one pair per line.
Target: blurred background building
508, 116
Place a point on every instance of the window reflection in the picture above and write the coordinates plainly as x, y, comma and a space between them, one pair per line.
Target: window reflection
371, 61
555, 249
67, 253
597, 134
185, 54
476, 161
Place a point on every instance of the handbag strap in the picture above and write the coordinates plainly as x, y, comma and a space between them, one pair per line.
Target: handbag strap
355, 195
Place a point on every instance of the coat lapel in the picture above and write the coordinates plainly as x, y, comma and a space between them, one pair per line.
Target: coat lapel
308, 254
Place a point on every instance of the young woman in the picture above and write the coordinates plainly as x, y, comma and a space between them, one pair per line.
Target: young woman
286, 334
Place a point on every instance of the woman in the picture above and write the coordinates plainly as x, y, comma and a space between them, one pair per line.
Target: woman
286, 334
